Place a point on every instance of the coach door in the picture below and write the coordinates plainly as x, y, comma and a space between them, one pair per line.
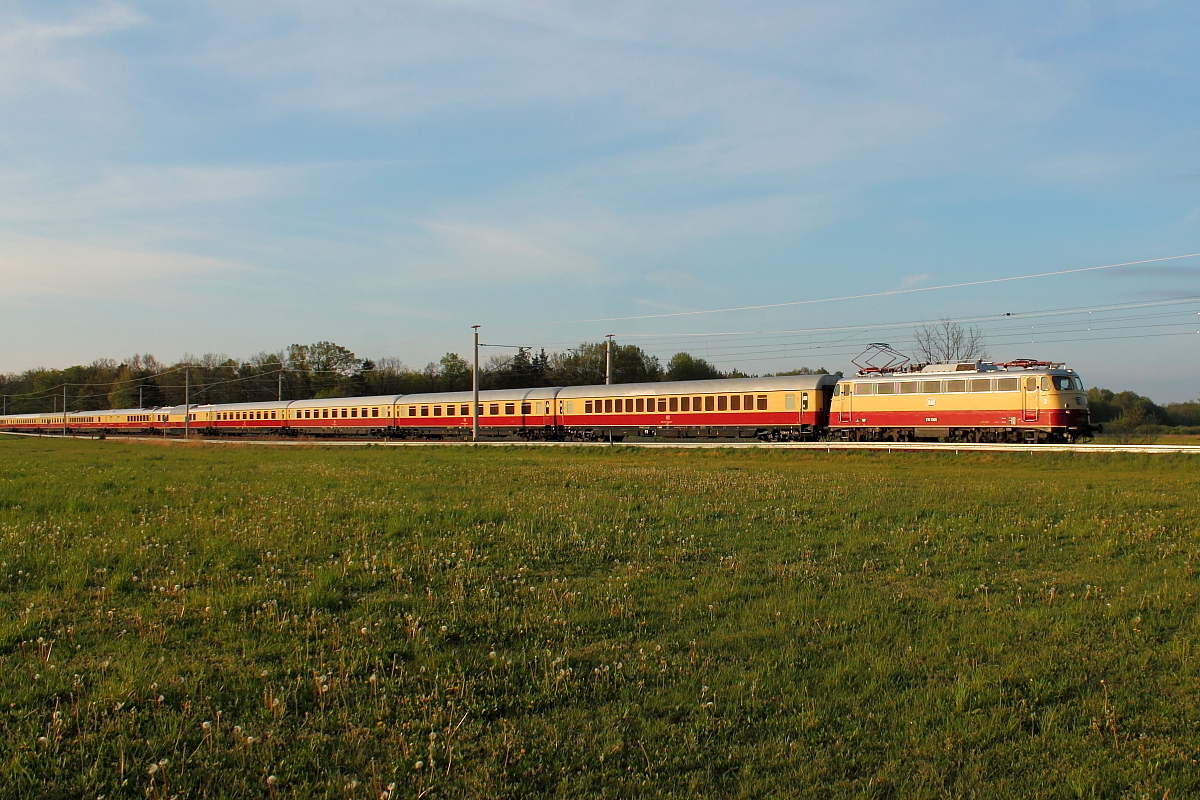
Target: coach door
1029, 396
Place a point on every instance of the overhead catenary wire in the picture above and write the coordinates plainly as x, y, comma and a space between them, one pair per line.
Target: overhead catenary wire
863, 296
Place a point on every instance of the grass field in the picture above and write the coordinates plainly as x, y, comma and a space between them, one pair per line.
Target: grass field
201, 621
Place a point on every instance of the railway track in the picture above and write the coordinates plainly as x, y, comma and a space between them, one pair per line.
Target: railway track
1153, 449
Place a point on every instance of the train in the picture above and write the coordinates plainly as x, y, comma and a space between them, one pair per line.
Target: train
1024, 401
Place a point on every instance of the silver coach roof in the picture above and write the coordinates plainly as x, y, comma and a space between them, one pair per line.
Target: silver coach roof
489, 396
802, 383
271, 405
374, 400
113, 411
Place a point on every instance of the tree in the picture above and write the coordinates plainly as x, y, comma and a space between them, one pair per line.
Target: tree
686, 367
455, 373
947, 342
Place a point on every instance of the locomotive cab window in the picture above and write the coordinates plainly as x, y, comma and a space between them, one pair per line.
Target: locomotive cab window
1031, 384
1045, 383
1062, 383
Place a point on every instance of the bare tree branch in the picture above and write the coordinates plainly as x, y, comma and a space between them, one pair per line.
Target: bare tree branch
947, 341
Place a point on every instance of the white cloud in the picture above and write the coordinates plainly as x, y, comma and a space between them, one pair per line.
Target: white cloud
34, 266
37, 53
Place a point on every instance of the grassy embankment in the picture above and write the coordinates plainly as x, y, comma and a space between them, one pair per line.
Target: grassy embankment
209, 621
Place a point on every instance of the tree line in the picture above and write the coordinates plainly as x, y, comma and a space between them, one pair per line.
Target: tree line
326, 369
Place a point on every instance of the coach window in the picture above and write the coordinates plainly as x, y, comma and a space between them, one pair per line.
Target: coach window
762, 402
672, 404
956, 386
735, 402
789, 402
462, 411
931, 387
629, 405
272, 415
908, 387
437, 411
640, 404
710, 403
981, 384
587, 406
804, 401
494, 409
510, 408
526, 408
1045, 384
885, 388
424, 411
864, 388
364, 413
685, 404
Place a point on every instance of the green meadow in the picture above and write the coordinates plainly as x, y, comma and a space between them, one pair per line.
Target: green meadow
216, 621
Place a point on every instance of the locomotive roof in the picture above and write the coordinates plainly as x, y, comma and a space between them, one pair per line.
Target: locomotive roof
781, 383
971, 368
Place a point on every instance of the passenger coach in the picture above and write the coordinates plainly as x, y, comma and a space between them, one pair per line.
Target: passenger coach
789, 408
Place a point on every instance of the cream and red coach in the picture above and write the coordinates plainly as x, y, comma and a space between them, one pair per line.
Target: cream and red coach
358, 416
524, 413
788, 408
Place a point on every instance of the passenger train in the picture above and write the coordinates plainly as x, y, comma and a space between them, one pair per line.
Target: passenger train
1019, 401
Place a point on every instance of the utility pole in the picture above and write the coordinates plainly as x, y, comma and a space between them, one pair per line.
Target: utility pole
608, 360
64, 409
187, 402
140, 396
279, 392
475, 389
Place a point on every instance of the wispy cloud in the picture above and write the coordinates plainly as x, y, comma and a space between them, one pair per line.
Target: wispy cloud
34, 266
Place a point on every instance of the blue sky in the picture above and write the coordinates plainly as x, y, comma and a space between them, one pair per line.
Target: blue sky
232, 177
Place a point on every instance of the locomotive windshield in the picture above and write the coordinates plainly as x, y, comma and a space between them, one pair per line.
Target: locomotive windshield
1065, 384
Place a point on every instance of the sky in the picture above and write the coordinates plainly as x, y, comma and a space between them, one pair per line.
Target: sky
232, 177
